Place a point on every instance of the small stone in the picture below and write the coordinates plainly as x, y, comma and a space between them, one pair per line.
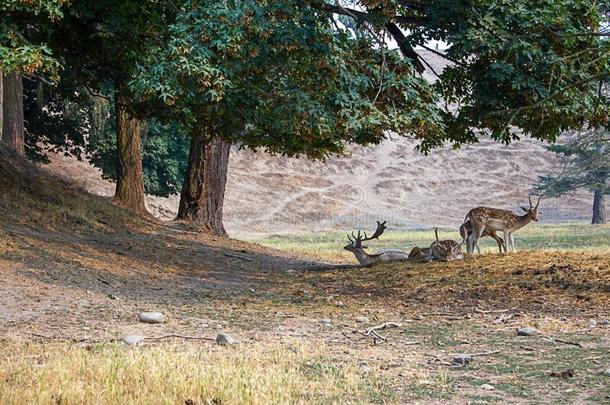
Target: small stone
112, 297
607, 372
252, 290
527, 331
593, 323
362, 319
462, 359
364, 369
133, 340
488, 387
326, 321
606, 322
224, 339
151, 317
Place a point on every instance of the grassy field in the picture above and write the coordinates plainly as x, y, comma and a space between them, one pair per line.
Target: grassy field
554, 237
61, 373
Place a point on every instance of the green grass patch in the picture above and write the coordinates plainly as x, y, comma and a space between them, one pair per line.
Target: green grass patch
557, 237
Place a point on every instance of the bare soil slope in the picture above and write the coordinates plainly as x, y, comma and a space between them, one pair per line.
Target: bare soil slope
272, 194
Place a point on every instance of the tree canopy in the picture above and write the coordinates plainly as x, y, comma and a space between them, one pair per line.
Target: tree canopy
279, 75
518, 67
19, 20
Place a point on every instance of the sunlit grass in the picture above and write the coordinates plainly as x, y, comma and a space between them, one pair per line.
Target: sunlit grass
173, 374
562, 237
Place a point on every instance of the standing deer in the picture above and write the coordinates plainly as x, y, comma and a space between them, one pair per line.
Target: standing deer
466, 230
494, 219
366, 259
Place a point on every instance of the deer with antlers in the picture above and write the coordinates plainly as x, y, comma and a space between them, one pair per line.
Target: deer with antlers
367, 259
494, 219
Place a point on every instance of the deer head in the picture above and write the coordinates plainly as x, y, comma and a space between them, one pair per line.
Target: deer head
357, 239
532, 212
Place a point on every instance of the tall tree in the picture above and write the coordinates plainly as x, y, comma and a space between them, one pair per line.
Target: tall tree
585, 163
276, 75
21, 54
164, 147
12, 120
101, 43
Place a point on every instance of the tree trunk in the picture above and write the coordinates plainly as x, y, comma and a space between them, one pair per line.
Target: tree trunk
599, 208
130, 177
12, 107
203, 191
1, 101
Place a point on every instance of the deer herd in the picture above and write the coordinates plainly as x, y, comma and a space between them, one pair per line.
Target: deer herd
480, 222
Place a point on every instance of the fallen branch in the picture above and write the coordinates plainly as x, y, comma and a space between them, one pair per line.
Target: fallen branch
566, 342
180, 337
488, 353
494, 311
71, 339
372, 331
384, 325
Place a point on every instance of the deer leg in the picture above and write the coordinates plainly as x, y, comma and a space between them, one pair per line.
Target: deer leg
512, 242
498, 240
506, 240
477, 231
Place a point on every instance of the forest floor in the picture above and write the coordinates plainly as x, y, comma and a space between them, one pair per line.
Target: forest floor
77, 270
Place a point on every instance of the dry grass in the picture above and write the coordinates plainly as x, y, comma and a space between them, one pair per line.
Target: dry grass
172, 374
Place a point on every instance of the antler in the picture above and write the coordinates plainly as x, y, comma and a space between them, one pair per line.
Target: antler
358, 239
537, 203
380, 228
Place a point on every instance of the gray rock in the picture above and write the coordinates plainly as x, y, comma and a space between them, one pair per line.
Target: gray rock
462, 359
224, 339
488, 387
606, 322
326, 321
362, 319
151, 317
607, 372
364, 369
527, 331
593, 323
133, 340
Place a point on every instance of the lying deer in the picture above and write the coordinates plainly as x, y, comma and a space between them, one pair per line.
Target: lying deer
366, 259
494, 219
445, 250
466, 230
418, 253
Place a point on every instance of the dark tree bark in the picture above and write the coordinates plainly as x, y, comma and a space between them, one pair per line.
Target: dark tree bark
130, 176
599, 208
12, 111
1, 101
203, 191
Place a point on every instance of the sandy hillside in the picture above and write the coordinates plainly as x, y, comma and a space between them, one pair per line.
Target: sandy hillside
267, 194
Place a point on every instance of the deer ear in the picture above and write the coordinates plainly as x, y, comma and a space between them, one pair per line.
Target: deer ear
524, 209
